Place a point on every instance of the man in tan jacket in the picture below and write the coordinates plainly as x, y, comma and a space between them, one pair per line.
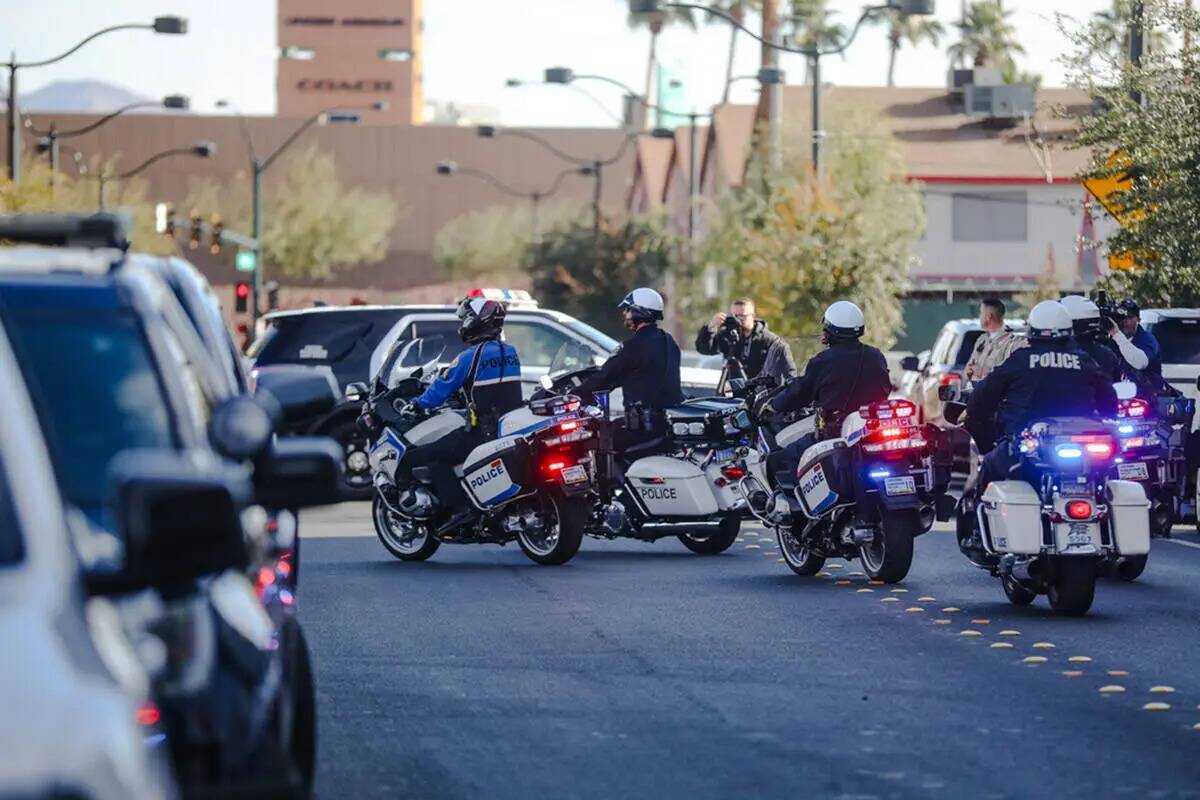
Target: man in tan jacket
996, 343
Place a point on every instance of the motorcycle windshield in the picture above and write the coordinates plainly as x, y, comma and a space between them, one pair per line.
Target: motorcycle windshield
572, 356
414, 358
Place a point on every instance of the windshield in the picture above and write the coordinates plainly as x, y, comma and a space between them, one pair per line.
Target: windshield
405, 357
571, 356
96, 392
605, 341
1178, 340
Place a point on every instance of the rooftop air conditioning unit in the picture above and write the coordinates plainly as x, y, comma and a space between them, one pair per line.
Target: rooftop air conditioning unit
957, 79
1009, 101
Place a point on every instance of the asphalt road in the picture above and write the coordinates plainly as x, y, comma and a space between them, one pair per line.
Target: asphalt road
647, 671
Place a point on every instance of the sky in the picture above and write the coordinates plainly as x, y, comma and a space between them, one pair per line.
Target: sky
471, 47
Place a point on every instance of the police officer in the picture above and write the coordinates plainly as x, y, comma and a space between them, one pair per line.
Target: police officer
488, 373
1051, 377
842, 378
1089, 327
645, 368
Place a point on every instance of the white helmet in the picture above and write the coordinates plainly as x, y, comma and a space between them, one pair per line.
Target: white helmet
1049, 320
643, 303
1085, 315
844, 320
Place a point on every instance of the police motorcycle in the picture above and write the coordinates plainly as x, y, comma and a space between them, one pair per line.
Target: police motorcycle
1066, 518
532, 483
686, 484
879, 464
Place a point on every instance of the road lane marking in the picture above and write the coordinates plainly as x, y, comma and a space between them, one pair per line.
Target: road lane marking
1156, 707
1000, 645
1162, 690
950, 609
1080, 659
890, 600
1010, 632
1182, 542
914, 610
1073, 673
969, 633
1118, 673
1043, 646
1033, 660
1112, 688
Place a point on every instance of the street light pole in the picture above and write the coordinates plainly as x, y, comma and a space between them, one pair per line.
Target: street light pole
199, 150
168, 25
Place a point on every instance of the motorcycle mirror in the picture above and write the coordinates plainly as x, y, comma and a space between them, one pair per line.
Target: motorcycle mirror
546, 382
1127, 390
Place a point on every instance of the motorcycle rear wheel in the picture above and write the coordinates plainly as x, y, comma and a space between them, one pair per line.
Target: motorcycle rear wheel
889, 557
1073, 587
562, 532
796, 553
720, 540
405, 539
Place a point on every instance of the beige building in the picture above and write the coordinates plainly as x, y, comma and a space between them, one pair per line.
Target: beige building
351, 53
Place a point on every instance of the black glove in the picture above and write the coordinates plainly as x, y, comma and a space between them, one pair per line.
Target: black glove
409, 413
763, 410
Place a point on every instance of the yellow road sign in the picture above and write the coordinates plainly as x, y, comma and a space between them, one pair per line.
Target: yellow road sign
1105, 190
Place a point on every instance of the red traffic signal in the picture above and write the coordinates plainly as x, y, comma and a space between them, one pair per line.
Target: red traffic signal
241, 297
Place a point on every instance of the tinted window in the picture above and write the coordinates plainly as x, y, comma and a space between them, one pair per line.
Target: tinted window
1179, 340
536, 344
12, 546
968, 344
990, 216
341, 340
442, 331
95, 388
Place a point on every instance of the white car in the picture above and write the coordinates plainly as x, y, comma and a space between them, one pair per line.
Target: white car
72, 690
1178, 333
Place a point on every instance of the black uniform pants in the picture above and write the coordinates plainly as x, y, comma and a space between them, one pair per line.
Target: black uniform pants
442, 456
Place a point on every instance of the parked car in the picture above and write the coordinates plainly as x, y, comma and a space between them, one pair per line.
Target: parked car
115, 364
76, 699
335, 340
1178, 333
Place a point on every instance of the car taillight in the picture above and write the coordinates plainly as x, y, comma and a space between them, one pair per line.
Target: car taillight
147, 714
1079, 509
1133, 408
949, 378
892, 447
567, 426
1098, 449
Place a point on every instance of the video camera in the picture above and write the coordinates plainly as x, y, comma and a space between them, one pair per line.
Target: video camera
728, 336
1112, 313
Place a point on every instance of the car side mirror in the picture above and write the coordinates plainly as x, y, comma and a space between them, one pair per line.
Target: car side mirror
241, 426
179, 519
299, 472
910, 364
357, 392
302, 393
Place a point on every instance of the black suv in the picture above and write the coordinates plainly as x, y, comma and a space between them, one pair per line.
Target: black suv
122, 381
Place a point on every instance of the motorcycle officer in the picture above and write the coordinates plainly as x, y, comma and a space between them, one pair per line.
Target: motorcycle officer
1090, 335
645, 368
842, 378
488, 372
1051, 377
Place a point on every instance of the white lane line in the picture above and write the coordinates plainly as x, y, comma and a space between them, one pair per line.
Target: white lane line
1181, 542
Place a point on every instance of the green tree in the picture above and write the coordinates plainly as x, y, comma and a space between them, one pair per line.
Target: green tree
813, 27
796, 247
312, 222
1111, 30
493, 242
586, 278
987, 37
655, 23
906, 29
1155, 145
81, 194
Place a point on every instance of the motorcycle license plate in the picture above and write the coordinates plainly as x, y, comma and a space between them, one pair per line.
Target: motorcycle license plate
725, 455
1135, 471
575, 474
1079, 534
901, 485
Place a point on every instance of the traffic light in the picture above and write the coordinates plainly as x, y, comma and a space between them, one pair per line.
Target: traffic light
197, 231
164, 219
214, 246
241, 297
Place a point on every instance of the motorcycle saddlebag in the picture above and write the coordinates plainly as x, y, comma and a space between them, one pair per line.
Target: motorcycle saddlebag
669, 487
824, 479
1130, 518
499, 470
1011, 518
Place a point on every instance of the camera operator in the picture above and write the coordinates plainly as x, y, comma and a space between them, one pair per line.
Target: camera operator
744, 339
1136, 346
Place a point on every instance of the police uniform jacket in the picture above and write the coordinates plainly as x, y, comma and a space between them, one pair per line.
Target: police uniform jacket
645, 368
488, 372
1046, 379
840, 379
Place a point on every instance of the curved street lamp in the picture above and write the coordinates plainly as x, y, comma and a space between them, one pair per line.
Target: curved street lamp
258, 165
197, 150
166, 25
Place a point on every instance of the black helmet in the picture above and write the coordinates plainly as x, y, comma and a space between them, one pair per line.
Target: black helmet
480, 319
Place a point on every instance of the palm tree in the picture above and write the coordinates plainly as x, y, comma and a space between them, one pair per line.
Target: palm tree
906, 28
736, 9
812, 28
655, 23
987, 37
1112, 31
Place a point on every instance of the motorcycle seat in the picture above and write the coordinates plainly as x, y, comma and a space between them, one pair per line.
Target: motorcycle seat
645, 448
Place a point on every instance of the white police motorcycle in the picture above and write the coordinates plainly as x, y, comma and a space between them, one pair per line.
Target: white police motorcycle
531, 483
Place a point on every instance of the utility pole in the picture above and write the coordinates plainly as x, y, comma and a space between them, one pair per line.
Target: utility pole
1136, 41
770, 99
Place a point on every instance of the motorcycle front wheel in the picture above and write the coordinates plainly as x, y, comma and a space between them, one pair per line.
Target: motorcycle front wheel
795, 549
557, 541
406, 539
720, 540
888, 556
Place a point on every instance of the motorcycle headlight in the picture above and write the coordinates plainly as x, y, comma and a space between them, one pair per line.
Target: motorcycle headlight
696, 428
680, 428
